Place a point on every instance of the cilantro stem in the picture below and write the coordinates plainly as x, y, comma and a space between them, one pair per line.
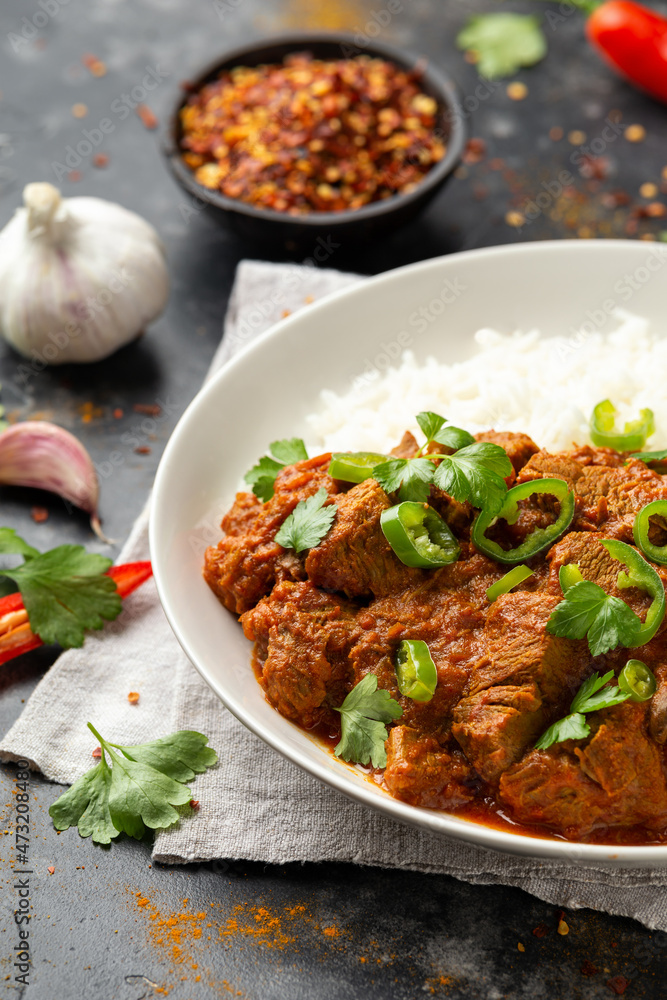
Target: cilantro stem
95, 733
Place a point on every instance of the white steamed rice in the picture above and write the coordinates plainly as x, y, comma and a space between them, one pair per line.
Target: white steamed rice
546, 387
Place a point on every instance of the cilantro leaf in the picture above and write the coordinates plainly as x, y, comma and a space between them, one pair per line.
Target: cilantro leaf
308, 523
430, 423
593, 695
412, 477
263, 475
180, 755
139, 789
86, 805
572, 727
475, 473
586, 609
12, 544
650, 456
364, 715
503, 43
65, 591
454, 437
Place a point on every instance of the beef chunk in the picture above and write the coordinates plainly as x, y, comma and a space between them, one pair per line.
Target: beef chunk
407, 448
355, 557
523, 681
616, 779
519, 447
423, 773
244, 566
627, 498
544, 465
303, 638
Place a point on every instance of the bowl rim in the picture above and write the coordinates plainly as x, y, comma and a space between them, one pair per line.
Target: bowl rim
441, 83
476, 835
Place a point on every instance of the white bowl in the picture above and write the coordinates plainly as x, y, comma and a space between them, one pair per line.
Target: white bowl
266, 391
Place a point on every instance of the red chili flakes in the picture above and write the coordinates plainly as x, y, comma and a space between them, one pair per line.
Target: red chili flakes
143, 449
149, 409
97, 752
496, 164
618, 985
39, 514
475, 151
194, 803
540, 931
93, 64
51, 869
148, 119
100, 160
588, 969
556, 133
118, 413
74, 176
133, 697
312, 135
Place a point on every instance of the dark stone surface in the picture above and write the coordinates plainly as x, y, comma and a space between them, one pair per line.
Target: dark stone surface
397, 935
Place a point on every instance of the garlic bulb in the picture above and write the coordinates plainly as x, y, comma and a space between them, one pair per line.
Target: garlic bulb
47, 457
79, 277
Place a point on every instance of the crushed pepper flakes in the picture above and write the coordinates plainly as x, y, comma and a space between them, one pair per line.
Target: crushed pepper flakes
97, 752
475, 151
194, 803
563, 928
648, 190
618, 985
635, 133
118, 413
517, 91
515, 219
51, 869
576, 137
133, 697
79, 110
94, 65
100, 160
143, 449
521, 947
310, 134
39, 514
540, 931
148, 119
556, 133
149, 409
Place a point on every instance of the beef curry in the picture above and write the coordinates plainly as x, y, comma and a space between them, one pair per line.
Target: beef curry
323, 619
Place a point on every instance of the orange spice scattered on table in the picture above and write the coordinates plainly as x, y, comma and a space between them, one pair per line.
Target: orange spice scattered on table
312, 135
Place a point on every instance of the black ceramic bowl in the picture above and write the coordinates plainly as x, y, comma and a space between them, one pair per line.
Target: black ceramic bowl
360, 224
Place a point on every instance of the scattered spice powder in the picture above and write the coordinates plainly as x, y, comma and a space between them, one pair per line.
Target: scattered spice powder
323, 14
312, 135
39, 514
148, 119
618, 985
133, 697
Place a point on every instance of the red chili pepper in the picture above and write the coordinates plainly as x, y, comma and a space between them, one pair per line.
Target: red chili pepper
633, 40
16, 636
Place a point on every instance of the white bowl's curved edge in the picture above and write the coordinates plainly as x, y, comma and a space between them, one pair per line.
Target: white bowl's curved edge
444, 824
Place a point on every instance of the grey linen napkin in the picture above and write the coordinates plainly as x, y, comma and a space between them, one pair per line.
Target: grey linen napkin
254, 804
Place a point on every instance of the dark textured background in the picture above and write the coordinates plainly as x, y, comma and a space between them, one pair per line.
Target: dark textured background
329, 931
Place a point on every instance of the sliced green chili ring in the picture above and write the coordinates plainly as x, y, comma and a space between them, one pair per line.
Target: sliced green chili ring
419, 536
568, 575
640, 529
604, 433
508, 582
354, 466
637, 680
415, 670
539, 539
642, 575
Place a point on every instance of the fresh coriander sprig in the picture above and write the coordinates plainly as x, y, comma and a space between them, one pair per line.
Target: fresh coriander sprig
139, 788
364, 716
263, 475
64, 591
475, 472
503, 42
591, 696
308, 523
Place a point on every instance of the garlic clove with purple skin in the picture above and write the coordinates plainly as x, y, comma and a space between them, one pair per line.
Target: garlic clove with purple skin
44, 456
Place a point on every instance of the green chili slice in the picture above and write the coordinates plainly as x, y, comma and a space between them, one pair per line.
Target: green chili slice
354, 466
640, 529
642, 575
539, 539
508, 582
568, 575
633, 436
637, 681
418, 535
415, 670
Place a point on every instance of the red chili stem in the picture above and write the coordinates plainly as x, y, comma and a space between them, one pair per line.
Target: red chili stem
17, 637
